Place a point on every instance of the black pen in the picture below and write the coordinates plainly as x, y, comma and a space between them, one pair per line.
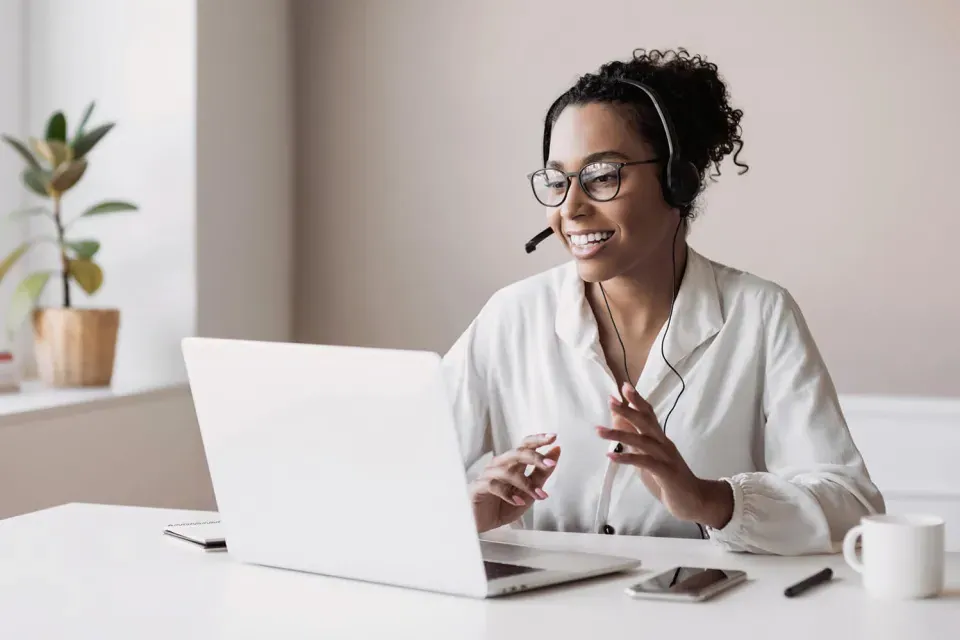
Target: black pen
807, 583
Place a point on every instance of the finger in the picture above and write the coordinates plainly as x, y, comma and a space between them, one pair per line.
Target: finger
645, 411
527, 457
537, 440
637, 424
642, 421
642, 461
539, 476
505, 492
637, 442
516, 479
633, 397
629, 438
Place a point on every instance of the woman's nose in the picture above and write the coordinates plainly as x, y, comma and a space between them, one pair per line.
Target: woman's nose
576, 201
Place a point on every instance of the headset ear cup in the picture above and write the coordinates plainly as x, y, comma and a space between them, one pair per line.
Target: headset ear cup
683, 183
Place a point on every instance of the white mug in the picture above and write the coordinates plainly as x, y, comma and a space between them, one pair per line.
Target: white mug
901, 556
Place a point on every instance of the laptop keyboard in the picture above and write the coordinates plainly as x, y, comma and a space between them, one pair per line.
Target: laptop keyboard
499, 570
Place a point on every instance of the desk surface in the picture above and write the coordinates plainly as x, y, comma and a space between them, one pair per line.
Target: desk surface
83, 570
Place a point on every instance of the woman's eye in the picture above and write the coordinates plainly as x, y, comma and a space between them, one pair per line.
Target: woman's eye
602, 178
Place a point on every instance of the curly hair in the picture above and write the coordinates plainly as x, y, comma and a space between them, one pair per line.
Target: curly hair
691, 91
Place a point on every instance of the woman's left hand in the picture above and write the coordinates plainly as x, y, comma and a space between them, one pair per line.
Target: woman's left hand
662, 469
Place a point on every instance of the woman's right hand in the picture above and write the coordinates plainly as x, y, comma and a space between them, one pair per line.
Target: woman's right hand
504, 492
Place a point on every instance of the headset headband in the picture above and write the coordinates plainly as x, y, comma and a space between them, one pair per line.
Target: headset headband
673, 144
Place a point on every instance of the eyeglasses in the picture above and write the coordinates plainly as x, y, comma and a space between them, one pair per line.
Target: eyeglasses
599, 180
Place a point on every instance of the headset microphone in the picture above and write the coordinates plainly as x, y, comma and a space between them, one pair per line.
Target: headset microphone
537, 239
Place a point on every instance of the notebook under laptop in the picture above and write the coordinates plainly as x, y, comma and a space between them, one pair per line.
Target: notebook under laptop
344, 461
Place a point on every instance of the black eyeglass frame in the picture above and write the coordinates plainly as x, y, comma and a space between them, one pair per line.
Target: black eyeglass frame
579, 174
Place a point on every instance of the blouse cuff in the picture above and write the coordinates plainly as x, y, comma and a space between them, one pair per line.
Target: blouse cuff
732, 531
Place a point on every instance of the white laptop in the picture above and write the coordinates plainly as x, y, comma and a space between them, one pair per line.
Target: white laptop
344, 461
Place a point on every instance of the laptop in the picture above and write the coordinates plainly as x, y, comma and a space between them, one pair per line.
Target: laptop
344, 461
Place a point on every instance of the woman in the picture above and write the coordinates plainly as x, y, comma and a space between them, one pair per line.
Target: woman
689, 398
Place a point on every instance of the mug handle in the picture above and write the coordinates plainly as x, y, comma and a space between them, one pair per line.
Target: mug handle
850, 548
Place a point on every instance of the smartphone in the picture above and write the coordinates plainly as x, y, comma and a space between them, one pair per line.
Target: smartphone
686, 584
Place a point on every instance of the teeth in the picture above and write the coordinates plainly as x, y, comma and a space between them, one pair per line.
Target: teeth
587, 238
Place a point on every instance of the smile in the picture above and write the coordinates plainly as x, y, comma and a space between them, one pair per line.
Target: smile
586, 245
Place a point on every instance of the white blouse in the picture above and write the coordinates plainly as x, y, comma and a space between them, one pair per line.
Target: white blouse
759, 410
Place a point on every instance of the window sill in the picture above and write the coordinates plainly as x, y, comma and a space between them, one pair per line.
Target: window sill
36, 398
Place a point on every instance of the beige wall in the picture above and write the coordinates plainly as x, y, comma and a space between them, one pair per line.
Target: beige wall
417, 121
141, 450
244, 221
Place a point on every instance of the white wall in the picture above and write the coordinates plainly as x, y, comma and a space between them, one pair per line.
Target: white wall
137, 60
12, 104
922, 477
203, 144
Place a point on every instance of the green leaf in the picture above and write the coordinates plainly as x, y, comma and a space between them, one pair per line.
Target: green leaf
85, 249
83, 123
86, 142
22, 150
87, 274
37, 180
57, 127
12, 258
109, 206
68, 175
53, 151
24, 298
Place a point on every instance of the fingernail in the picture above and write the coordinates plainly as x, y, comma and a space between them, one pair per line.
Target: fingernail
517, 500
549, 462
541, 494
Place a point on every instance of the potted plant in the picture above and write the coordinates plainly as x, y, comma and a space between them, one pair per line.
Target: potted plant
74, 347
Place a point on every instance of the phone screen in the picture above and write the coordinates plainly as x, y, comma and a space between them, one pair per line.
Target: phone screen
688, 580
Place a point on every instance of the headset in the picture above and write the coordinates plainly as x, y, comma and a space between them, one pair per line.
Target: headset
680, 184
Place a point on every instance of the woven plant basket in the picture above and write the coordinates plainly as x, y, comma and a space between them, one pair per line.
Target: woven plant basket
75, 347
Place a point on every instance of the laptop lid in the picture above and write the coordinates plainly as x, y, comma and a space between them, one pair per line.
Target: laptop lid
336, 460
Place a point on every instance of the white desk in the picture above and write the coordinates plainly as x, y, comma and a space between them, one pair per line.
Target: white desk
90, 571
